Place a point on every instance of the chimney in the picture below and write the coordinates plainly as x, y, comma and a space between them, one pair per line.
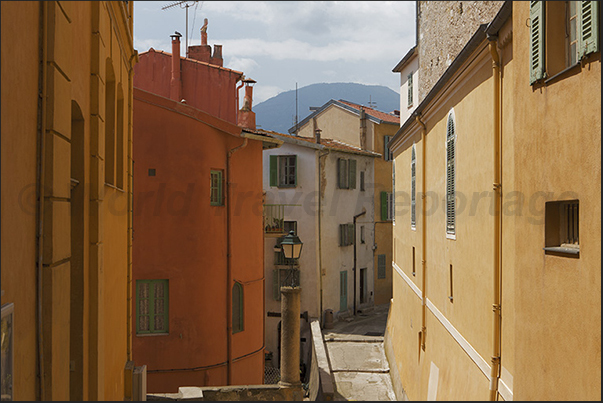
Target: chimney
246, 117
201, 53
317, 135
217, 57
176, 83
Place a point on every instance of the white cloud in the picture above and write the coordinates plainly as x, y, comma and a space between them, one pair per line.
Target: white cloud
246, 65
264, 92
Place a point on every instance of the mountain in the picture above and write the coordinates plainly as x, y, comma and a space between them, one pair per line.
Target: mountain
278, 113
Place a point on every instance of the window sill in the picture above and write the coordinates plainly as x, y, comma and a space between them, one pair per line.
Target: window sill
114, 187
451, 236
562, 73
562, 250
151, 334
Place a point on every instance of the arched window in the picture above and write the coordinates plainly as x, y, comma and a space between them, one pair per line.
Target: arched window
450, 174
237, 308
413, 186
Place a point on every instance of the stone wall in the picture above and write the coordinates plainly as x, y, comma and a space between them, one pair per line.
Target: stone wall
444, 27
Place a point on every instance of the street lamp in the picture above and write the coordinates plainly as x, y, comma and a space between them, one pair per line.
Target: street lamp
291, 246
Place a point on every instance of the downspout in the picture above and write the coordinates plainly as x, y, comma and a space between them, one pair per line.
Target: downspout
497, 187
229, 263
42, 95
423, 333
320, 229
130, 185
354, 267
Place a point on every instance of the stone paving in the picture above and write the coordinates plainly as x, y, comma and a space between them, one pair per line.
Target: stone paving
356, 356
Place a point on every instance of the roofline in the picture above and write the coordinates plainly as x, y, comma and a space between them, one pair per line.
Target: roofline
341, 105
410, 55
188, 59
483, 32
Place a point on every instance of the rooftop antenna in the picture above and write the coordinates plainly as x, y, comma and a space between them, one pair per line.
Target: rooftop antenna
182, 4
371, 104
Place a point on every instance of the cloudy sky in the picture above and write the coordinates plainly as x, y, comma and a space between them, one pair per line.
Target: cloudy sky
281, 43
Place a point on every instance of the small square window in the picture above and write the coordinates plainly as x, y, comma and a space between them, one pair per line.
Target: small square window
152, 172
561, 228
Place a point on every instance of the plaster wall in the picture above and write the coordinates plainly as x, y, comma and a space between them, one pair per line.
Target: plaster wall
85, 249
339, 207
412, 67
339, 124
180, 237
557, 150
302, 207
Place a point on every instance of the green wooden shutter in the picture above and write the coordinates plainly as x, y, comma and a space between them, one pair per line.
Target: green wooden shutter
274, 170
536, 41
342, 173
352, 174
450, 176
237, 308
410, 89
588, 28
380, 266
384, 206
341, 235
386, 152
351, 234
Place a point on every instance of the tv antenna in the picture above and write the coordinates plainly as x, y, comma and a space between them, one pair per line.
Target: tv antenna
371, 104
186, 5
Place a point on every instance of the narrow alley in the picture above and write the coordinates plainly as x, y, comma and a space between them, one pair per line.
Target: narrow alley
356, 356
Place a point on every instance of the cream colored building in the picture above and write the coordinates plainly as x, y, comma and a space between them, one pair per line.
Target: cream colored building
368, 129
497, 280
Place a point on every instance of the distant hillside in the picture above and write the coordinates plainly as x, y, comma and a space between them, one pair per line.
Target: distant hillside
278, 113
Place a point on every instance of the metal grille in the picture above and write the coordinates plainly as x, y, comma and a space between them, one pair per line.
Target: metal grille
272, 375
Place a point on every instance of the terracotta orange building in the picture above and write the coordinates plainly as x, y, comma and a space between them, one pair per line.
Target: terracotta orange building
198, 238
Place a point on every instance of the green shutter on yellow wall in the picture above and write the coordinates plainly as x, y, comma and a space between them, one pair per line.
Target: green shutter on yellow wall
588, 28
536, 41
274, 170
380, 266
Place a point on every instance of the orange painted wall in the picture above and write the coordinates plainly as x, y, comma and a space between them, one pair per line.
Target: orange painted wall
154, 73
178, 236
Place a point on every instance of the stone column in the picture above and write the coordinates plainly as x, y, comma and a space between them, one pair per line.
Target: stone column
290, 310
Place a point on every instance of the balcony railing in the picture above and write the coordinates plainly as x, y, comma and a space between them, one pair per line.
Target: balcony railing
274, 218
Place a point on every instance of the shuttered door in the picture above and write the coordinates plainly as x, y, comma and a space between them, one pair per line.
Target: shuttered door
343, 290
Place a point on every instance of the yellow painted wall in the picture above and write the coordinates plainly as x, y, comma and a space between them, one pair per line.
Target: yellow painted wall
558, 299
551, 309
85, 223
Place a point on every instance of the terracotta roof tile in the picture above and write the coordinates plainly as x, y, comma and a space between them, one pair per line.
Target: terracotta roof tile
386, 117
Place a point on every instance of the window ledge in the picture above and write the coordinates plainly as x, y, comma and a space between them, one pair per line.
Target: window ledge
561, 73
563, 249
151, 334
451, 236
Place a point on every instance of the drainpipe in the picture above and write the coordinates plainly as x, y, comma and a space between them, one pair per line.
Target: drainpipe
42, 95
229, 263
320, 226
354, 268
423, 333
497, 187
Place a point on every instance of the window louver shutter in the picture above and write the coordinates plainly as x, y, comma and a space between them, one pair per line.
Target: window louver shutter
588, 21
341, 235
410, 88
352, 174
295, 168
536, 41
383, 206
273, 170
380, 266
341, 173
413, 189
351, 235
450, 178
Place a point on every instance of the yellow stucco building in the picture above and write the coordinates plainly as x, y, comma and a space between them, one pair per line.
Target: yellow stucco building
66, 199
497, 267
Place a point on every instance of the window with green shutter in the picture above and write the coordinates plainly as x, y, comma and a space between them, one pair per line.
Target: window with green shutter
216, 197
283, 170
346, 234
536, 41
450, 175
237, 308
346, 173
152, 303
413, 187
380, 266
